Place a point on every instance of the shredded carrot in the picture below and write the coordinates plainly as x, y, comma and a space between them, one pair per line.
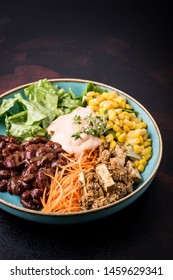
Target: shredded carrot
64, 192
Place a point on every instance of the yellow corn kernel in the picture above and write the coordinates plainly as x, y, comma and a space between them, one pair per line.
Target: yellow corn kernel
109, 124
114, 104
118, 111
106, 104
105, 95
126, 115
110, 95
136, 163
136, 133
126, 128
129, 107
97, 94
147, 156
127, 122
136, 148
113, 144
132, 116
143, 132
100, 98
109, 138
141, 141
141, 167
94, 108
126, 142
91, 93
118, 133
137, 120
121, 99
122, 104
101, 111
88, 98
117, 121
111, 115
121, 123
147, 142
102, 137
103, 140
116, 128
143, 161
141, 125
145, 136
121, 116
122, 137
93, 102
142, 148
115, 93
148, 149
133, 125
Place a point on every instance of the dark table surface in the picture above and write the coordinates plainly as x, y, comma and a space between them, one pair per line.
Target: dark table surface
128, 46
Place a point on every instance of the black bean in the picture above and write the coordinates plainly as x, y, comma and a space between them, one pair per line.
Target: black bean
5, 152
13, 140
6, 139
25, 167
42, 151
15, 173
42, 180
28, 177
13, 147
53, 145
29, 204
1, 162
31, 151
13, 187
36, 193
5, 174
2, 145
26, 195
3, 185
47, 159
39, 140
9, 162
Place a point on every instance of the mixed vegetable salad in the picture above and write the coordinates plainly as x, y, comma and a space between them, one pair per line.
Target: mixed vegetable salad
99, 176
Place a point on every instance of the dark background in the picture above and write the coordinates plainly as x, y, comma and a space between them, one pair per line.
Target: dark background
125, 44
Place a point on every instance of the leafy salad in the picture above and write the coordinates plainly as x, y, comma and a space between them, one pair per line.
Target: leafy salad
41, 103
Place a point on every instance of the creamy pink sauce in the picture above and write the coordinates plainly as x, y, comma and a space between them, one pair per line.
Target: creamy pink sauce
63, 128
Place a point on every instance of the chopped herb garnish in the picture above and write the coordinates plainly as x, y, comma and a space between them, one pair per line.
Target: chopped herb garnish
76, 135
77, 119
91, 125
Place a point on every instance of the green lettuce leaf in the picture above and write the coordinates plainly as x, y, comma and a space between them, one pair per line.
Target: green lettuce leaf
20, 130
34, 114
44, 96
6, 105
91, 87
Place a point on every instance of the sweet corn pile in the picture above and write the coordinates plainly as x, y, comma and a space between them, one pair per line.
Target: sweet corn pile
124, 124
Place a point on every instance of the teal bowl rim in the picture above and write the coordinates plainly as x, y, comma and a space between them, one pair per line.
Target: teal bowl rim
143, 185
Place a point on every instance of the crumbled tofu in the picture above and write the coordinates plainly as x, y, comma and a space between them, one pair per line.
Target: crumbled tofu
106, 177
131, 153
120, 154
133, 172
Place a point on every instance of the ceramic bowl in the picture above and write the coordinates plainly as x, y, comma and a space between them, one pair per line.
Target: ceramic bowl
11, 203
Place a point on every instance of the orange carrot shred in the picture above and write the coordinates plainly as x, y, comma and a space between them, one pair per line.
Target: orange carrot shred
63, 194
